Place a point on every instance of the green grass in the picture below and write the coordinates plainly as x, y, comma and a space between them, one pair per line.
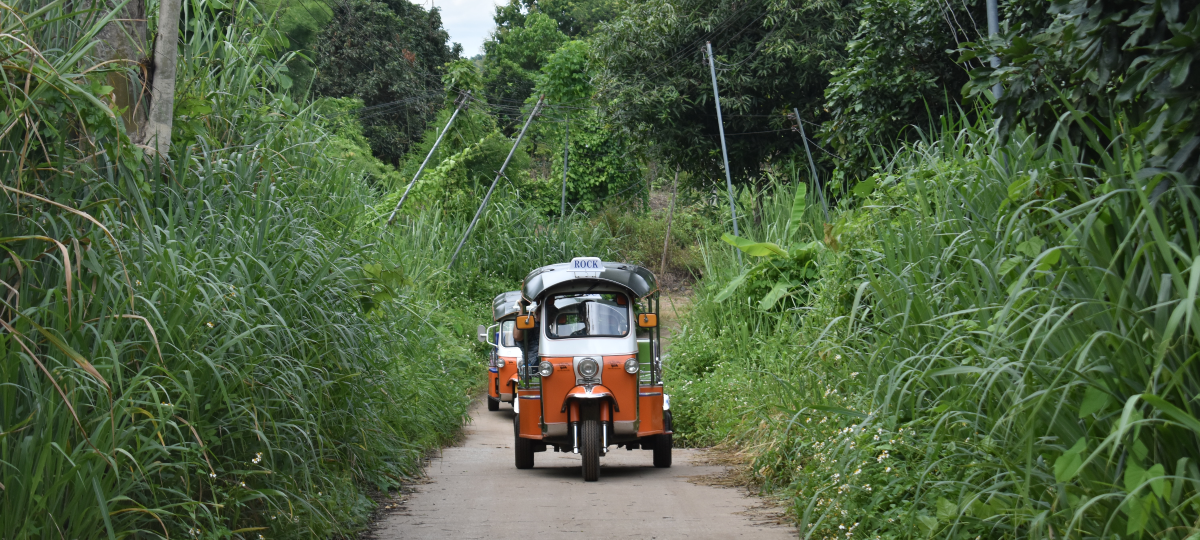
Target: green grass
1002, 346
229, 343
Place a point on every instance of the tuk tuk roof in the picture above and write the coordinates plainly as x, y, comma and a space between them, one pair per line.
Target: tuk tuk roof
505, 304
639, 281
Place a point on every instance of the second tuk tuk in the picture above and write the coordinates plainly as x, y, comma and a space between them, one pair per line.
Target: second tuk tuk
503, 358
596, 378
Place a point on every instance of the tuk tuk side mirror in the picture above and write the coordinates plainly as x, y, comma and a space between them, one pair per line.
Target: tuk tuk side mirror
647, 320
526, 322
482, 334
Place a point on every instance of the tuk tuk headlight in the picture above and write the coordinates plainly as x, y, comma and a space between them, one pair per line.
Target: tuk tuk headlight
500, 363
545, 368
588, 368
631, 366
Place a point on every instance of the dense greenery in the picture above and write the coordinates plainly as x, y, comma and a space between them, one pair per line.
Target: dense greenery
224, 342
517, 51
990, 334
772, 55
899, 77
992, 349
1139, 61
389, 54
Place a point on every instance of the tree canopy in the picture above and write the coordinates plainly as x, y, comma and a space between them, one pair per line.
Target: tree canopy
390, 55
517, 51
771, 56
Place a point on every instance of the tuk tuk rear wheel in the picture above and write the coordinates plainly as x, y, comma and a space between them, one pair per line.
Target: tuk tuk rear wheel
493, 403
523, 447
662, 444
589, 449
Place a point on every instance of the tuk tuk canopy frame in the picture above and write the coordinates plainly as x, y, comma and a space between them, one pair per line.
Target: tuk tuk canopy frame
505, 305
639, 281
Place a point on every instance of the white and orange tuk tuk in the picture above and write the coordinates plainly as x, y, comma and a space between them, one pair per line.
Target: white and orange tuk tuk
596, 378
502, 359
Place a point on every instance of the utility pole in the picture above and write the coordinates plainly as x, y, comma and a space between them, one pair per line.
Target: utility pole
662, 266
712, 65
993, 17
494, 182
566, 150
462, 102
124, 38
162, 91
811, 165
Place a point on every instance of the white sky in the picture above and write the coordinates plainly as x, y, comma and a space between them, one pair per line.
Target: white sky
468, 21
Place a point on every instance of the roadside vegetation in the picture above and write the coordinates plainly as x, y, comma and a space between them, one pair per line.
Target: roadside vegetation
983, 347
965, 316
228, 343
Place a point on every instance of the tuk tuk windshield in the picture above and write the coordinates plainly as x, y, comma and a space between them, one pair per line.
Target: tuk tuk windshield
506, 337
587, 315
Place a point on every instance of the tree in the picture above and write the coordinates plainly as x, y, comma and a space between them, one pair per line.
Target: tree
513, 56
772, 55
601, 166
578, 18
575, 18
899, 75
1120, 61
389, 54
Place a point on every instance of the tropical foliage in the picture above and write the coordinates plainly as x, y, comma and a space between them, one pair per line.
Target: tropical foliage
389, 55
988, 331
771, 55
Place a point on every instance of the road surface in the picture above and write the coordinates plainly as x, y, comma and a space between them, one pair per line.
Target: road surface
475, 491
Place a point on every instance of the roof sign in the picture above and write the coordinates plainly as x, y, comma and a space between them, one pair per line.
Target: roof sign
586, 266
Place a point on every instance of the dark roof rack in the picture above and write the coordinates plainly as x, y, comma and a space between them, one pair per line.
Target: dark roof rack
505, 304
638, 280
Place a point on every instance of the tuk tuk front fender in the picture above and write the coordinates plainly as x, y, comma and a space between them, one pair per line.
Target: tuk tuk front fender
598, 391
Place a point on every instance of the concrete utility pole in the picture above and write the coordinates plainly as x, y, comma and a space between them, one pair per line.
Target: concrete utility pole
566, 151
494, 182
993, 16
712, 65
162, 93
123, 39
462, 102
662, 266
811, 165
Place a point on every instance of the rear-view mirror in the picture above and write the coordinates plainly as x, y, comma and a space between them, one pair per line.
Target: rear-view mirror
482, 333
647, 320
526, 322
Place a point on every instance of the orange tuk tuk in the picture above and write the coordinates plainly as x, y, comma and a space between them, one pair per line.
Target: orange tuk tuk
591, 376
502, 360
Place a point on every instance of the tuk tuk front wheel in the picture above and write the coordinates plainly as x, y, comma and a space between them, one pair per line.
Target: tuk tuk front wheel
523, 447
493, 403
662, 444
589, 449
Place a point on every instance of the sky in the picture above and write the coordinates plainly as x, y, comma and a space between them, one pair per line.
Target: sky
468, 21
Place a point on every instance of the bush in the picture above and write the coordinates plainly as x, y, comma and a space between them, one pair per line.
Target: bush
990, 352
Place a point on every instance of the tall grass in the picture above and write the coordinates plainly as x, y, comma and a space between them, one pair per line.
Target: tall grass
226, 343
1002, 346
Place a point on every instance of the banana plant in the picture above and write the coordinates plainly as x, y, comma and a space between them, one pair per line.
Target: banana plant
781, 272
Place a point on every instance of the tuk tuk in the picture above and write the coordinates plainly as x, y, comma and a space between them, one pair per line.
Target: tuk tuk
592, 375
502, 359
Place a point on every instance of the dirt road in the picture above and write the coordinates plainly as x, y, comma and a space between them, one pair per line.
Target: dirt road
476, 492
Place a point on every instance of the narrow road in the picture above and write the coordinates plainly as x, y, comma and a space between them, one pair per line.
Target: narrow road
475, 491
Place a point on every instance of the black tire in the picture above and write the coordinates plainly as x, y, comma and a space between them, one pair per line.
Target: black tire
523, 447
589, 449
662, 444
493, 403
